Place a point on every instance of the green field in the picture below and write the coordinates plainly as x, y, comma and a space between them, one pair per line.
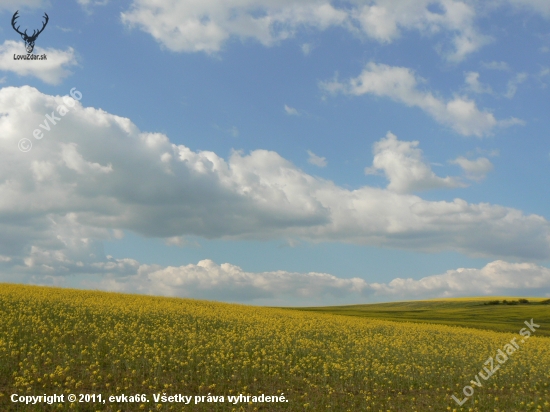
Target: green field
465, 312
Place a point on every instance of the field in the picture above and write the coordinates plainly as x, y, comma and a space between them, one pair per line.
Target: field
82, 342
469, 312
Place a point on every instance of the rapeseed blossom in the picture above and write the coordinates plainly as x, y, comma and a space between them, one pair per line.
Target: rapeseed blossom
84, 342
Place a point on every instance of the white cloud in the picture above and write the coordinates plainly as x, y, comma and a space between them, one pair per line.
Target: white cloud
494, 65
204, 280
230, 283
306, 48
474, 85
385, 19
51, 71
291, 111
96, 174
488, 152
513, 84
475, 169
179, 241
87, 3
316, 160
207, 25
497, 278
539, 6
74, 161
401, 85
233, 130
12, 5
402, 164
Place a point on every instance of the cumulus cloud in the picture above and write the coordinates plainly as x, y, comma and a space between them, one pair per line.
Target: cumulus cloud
475, 169
74, 161
230, 283
539, 6
316, 160
402, 85
94, 175
498, 278
87, 3
306, 48
233, 130
209, 280
384, 19
206, 26
204, 280
512, 86
402, 164
494, 65
473, 84
291, 111
51, 71
179, 241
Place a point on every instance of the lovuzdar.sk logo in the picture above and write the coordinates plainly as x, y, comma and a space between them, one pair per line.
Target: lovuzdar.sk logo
29, 39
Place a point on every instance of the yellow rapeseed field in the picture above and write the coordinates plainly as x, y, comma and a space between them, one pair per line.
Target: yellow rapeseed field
60, 341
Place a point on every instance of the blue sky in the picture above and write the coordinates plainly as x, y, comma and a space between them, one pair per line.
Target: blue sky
279, 152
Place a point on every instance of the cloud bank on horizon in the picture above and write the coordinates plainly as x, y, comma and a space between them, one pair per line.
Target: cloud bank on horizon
207, 280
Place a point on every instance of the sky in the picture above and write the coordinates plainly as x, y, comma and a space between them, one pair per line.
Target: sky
277, 152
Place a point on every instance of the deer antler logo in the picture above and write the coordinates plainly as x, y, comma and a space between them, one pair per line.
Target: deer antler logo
29, 40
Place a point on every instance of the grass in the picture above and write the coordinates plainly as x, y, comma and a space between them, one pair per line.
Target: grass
466, 312
62, 341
